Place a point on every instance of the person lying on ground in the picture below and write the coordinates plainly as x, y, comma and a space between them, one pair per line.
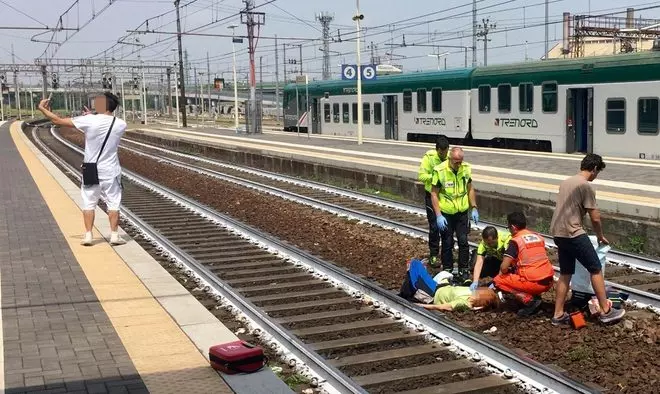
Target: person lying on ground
419, 287
526, 271
486, 259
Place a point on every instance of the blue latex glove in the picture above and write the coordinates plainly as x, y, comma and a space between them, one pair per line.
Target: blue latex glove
441, 221
475, 216
474, 286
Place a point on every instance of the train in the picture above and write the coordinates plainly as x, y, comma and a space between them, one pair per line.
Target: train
563, 105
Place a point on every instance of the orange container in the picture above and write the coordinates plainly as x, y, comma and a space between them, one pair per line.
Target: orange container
577, 320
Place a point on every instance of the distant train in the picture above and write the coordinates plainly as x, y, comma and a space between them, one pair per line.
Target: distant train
568, 105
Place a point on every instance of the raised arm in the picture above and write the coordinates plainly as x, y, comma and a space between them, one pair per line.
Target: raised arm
56, 120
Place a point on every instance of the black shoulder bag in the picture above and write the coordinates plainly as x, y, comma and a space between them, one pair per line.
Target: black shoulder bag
90, 170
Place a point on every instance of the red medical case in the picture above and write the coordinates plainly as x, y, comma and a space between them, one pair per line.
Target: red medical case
237, 357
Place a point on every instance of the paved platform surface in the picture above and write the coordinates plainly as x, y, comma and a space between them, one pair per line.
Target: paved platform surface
627, 186
88, 319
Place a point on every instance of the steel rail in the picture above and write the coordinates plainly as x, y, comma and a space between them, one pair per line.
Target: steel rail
477, 346
614, 256
644, 298
336, 379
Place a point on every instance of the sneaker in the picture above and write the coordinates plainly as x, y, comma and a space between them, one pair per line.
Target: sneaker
87, 240
530, 308
114, 241
565, 319
465, 278
613, 316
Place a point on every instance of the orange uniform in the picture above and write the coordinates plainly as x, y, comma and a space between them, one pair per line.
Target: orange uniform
532, 272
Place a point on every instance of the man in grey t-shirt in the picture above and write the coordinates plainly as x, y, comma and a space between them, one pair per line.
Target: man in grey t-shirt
96, 127
576, 197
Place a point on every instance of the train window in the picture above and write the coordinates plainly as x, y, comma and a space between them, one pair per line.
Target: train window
616, 116
436, 100
335, 112
366, 113
647, 116
407, 100
345, 116
378, 113
484, 98
504, 98
549, 97
326, 112
421, 100
355, 113
526, 97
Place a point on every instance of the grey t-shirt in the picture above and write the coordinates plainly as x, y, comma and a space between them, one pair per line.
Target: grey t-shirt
574, 198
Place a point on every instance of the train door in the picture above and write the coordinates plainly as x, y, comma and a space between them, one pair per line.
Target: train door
579, 120
391, 118
316, 118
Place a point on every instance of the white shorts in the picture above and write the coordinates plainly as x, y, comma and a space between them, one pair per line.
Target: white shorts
109, 189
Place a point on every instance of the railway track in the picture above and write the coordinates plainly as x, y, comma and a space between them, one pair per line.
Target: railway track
636, 275
353, 335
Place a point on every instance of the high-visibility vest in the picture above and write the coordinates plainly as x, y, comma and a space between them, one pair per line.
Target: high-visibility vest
532, 262
427, 167
453, 193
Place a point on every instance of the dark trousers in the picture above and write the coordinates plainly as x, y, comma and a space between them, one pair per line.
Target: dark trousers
490, 268
434, 233
457, 223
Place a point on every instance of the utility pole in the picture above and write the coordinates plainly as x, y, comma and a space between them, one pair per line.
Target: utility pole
301, 60
547, 31
261, 79
277, 84
208, 80
169, 91
44, 79
183, 87
235, 40
284, 56
325, 19
252, 19
484, 30
474, 33
357, 18
17, 92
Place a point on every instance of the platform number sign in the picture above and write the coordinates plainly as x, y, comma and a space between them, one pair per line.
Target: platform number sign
368, 72
349, 72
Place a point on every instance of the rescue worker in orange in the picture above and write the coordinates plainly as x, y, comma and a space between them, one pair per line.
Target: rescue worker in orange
526, 271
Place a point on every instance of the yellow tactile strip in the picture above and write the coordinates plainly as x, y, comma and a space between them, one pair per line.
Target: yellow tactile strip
163, 355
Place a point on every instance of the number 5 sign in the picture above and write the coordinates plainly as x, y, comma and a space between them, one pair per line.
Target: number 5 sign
369, 72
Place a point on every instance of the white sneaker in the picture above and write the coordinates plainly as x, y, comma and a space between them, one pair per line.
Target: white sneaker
87, 240
116, 240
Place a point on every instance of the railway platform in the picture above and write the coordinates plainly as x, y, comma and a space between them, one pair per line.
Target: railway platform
628, 187
97, 319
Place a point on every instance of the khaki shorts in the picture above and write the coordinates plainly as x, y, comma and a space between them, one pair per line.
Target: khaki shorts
109, 189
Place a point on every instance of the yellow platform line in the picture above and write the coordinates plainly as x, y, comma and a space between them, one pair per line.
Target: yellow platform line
162, 353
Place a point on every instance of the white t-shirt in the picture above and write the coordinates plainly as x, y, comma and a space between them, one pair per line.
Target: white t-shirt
95, 128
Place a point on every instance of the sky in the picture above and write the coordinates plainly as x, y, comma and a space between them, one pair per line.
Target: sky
518, 32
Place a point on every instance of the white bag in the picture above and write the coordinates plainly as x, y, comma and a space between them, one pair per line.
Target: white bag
581, 280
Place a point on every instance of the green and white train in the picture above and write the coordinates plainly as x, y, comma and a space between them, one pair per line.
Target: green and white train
605, 105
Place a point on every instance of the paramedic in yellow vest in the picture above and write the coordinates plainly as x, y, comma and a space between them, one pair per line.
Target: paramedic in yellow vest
453, 197
431, 159
487, 258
